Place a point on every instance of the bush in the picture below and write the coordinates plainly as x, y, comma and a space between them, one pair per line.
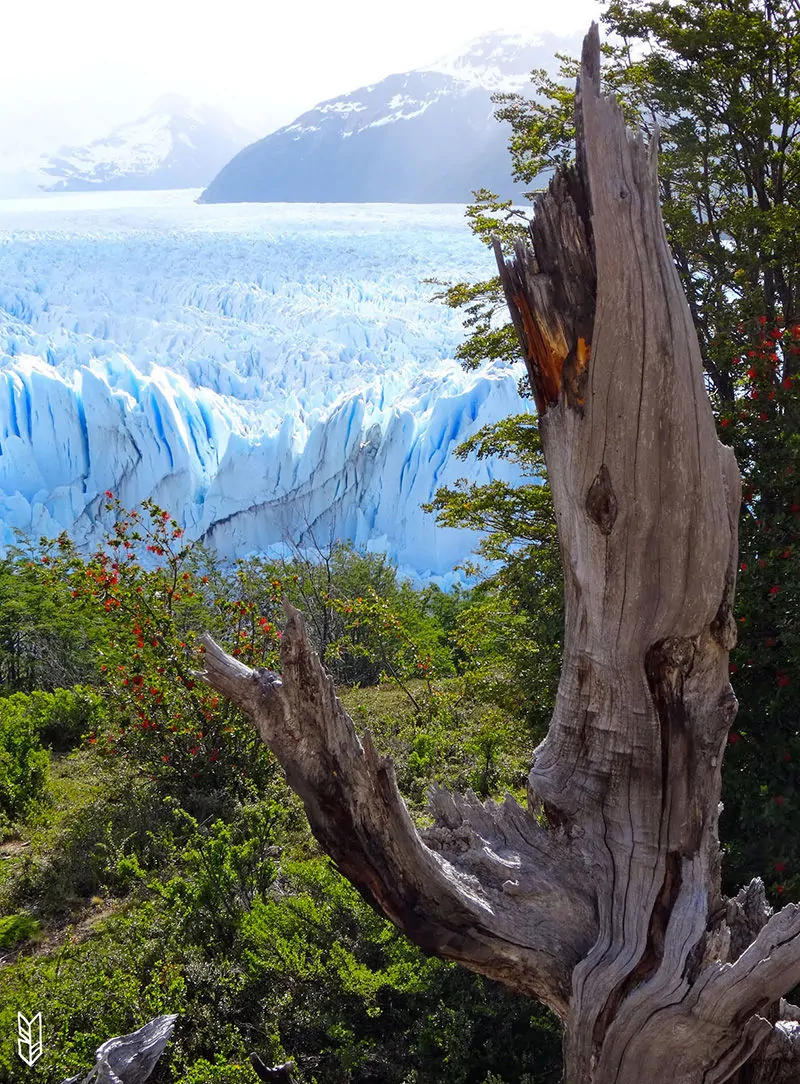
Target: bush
24, 764
17, 928
220, 1072
61, 717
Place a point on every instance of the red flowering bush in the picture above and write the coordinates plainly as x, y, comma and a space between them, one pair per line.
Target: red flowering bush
145, 584
761, 822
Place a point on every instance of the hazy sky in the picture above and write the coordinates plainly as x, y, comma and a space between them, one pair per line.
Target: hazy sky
71, 69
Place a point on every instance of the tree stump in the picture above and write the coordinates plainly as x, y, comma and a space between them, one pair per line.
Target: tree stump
602, 898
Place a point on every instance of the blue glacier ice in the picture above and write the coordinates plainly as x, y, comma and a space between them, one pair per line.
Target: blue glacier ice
259, 370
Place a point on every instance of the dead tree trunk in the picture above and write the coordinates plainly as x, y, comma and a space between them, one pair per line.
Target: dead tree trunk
602, 899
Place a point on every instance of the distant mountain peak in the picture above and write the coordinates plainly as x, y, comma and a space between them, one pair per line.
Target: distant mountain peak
171, 103
424, 136
494, 61
176, 144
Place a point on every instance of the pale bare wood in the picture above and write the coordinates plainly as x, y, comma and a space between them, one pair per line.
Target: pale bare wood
485, 885
130, 1059
603, 900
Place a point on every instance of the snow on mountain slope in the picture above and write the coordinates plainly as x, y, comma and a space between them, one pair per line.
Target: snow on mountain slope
259, 371
176, 145
422, 136
501, 61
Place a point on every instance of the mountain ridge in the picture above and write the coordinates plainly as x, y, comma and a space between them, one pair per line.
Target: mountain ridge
422, 136
174, 145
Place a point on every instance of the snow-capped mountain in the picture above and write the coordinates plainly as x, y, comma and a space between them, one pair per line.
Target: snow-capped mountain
259, 371
176, 145
425, 136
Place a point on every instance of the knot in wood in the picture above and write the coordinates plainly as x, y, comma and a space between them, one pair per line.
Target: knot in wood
601, 501
269, 677
723, 627
671, 656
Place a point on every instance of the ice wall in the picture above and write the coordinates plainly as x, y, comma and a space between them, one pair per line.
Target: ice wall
258, 371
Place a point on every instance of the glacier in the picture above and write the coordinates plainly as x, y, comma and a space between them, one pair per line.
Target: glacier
266, 372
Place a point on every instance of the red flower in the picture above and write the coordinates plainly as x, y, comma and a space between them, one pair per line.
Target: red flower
109, 494
762, 320
782, 679
743, 566
165, 758
786, 383
752, 373
780, 867
733, 738
778, 799
775, 589
763, 416
725, 422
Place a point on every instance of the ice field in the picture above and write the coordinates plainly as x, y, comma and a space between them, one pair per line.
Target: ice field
258, 369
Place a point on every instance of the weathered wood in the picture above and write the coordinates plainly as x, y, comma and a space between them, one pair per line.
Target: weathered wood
603, 899
130, 1059
485, 885
276, 1074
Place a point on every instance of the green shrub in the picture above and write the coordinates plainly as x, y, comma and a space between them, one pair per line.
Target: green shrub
61, 717
102, 981
24, 764
103, 847
220, 1072
16, 928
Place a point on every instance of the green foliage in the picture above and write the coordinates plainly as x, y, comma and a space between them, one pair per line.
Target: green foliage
99, 981
196, 894
327, 583
61, 718
98, 849
761, 818
224, 869
512, 628
723, 81
24, 763
17, 928
219, 1072
171, 727
42, 646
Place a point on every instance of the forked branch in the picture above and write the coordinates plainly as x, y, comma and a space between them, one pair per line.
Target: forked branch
486, 885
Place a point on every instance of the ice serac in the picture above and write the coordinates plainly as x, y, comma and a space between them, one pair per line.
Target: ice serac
263, 373
424, 136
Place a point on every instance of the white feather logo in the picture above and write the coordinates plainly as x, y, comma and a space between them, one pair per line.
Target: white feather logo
29, 1043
